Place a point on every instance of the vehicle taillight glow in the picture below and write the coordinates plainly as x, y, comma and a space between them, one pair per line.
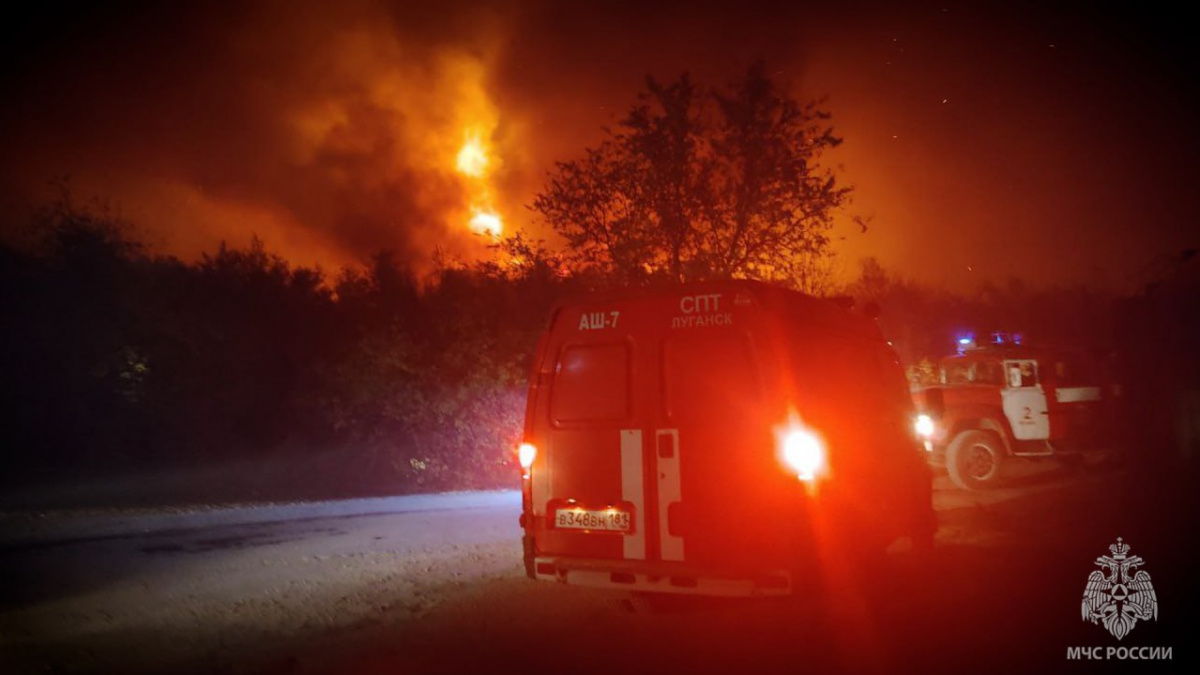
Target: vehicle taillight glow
804, 453
526, 454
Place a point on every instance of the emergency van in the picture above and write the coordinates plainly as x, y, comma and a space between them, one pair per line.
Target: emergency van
722, 438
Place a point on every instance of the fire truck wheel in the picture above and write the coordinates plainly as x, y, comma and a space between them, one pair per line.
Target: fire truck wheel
974, 459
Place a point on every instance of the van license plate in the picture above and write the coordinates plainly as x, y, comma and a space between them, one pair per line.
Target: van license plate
608, 520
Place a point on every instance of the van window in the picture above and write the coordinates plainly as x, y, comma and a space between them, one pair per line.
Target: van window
591, 384
709, 376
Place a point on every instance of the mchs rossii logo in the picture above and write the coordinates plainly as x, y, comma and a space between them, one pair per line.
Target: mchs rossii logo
1118, 596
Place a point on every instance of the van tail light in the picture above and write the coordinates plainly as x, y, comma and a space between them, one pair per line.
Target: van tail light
525, 456
803, 452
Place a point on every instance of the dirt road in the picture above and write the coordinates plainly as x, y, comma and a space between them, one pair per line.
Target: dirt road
434, 584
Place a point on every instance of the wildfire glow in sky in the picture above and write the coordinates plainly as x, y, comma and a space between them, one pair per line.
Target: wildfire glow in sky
472, 157
486, 222
988, 135
474, 164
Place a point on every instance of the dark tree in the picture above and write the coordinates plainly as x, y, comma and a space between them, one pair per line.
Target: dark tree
702, 184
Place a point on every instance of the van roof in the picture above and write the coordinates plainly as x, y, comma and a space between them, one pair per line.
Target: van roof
770, 297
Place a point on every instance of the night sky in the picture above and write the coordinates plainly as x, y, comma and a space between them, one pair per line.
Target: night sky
986, 141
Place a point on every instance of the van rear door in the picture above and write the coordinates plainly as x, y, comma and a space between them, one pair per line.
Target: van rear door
655, 423
588, 480
718, 417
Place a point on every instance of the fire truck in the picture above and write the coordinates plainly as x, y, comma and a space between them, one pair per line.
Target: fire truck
724, 438
1007, 400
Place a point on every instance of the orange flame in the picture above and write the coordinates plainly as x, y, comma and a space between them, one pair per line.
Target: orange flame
486, 223
472, 160
474, 163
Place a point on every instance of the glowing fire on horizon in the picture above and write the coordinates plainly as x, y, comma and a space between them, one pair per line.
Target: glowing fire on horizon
472, 159
474, 163
484, 222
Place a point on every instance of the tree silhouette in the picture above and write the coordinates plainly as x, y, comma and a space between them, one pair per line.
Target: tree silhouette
703, 184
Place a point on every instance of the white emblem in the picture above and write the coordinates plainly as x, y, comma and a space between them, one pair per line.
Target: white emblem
1120, 597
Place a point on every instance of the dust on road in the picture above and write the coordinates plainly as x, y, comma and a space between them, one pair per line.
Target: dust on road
441, 590
1001, 594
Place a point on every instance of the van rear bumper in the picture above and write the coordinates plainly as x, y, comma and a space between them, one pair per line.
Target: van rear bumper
660, 577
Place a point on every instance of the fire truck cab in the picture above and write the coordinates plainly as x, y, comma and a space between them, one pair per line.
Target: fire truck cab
1004, 401
714, 439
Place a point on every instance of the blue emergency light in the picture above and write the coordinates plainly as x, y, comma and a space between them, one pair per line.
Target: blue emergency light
1004, 338
966, 342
